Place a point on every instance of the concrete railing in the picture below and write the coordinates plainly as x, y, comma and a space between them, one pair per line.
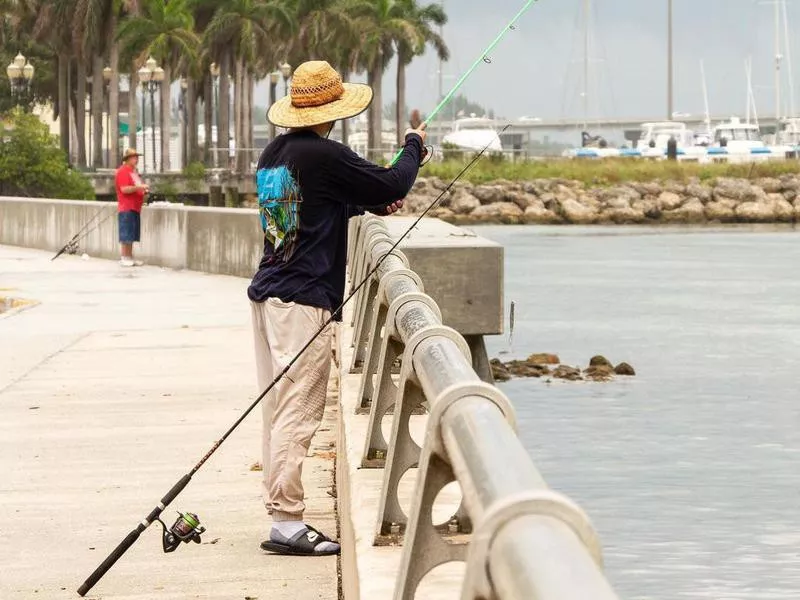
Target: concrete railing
528, 542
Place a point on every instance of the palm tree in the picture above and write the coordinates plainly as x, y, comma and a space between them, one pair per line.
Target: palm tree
165, 30
245, 32
422, 20
387, 27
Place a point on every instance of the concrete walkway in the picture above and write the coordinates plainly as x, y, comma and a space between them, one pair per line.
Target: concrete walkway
111, 388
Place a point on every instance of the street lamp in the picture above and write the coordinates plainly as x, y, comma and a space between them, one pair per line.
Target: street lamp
151, 76
214, 70
184, 129
107, 73
20, 73
286, 71
273, 84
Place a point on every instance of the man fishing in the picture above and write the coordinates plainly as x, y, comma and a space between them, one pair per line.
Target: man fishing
308, 188
130, 197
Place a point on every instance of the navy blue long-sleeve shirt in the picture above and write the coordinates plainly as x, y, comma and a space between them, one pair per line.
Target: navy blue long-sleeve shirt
308, 188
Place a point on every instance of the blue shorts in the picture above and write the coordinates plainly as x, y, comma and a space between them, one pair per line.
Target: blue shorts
129, 227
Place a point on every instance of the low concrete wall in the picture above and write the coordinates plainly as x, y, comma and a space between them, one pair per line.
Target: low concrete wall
462, 271
220, 240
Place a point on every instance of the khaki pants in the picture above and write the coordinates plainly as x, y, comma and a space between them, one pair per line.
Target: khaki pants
293, 409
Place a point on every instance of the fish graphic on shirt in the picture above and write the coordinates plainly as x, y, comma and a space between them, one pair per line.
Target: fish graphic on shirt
279, 202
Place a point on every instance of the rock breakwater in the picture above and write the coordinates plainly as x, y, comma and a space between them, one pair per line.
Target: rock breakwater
560, 201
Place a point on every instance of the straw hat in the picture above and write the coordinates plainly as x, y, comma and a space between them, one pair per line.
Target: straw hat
318, 96
129, 153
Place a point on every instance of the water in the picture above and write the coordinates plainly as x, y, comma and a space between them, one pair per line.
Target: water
690, 471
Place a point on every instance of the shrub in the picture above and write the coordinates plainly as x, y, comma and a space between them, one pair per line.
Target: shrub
33, 164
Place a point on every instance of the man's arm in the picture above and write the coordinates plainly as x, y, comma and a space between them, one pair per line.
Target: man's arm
369, 186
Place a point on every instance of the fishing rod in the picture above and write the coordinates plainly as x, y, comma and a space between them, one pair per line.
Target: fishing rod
72, 246
187, 527
482, 58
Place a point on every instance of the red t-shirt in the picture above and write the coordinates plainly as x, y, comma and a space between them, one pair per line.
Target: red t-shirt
127, 176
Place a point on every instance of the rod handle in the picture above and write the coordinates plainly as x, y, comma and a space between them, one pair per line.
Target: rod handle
109, 561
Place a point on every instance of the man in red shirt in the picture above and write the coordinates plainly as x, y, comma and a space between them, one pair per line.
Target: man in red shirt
130, 197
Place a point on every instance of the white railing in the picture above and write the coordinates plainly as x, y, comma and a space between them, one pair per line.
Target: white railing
528, 542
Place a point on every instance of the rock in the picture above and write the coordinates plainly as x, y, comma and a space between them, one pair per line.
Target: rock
600, 373
723, 210
783, 210
521, 199
499, 370
624, 368
599, 361
623, 216
647, 188
500, 212
770, 185
415, 203
537, 214
569, 373
797, 209
701, 192
675, 187
489, 194
544, 359
462, 202
691, 212
790, 195
563, 192
755, 212
574, 212
790, 183
736, 189
437, 184
443, 213
521, 368
669, 201
648, 207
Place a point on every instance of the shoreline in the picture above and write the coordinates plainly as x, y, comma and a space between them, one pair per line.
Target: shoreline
724, 201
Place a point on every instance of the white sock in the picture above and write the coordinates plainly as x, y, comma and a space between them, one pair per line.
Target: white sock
288, 529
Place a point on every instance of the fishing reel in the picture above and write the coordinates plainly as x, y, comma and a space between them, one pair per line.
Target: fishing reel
186, 528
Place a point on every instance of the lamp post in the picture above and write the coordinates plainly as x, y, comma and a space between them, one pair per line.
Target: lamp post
151, 76
107, 73
286, 71
273, 84
20, 73
214, 70
184, 129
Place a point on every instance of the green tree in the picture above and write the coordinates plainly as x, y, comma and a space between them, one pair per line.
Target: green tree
32, 164
418, 33
165, 30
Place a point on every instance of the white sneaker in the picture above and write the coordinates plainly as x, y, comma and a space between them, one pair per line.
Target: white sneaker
138, 263
126, 262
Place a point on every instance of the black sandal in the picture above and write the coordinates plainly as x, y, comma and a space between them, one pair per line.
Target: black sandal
303, 543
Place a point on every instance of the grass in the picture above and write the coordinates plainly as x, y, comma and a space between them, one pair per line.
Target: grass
604, 172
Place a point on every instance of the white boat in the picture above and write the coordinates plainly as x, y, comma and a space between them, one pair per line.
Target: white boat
789, 132
655, 138
474, 133
737, 136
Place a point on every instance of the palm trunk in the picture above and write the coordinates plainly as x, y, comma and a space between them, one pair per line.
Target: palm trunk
249, 133
98, 101
345, 126
133, 108
191, 121
375, 134
80, 113
224, 122
113, 103
208, 118
63, 104
401, 99
166, 118
237, 113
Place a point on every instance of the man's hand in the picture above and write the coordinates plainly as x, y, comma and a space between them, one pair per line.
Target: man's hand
394, 207
144, 188
420, 131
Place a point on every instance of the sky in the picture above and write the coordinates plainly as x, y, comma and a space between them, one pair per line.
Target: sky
537, 70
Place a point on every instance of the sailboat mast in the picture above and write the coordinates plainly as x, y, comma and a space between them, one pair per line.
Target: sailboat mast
788, 57
777, 60
670, 108
586, 13
441, 63
705, 96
